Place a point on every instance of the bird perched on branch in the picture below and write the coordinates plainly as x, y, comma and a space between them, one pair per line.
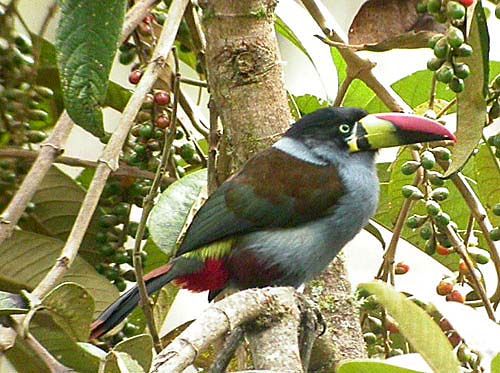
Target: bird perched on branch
286, 214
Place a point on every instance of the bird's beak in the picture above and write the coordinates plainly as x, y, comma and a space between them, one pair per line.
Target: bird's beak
377, 131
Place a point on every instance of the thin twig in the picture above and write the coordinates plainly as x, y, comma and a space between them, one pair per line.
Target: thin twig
110, 156
445, 109
224, 356
123, 170
195, 82
146, 209
386, 269
432, 97
50, 149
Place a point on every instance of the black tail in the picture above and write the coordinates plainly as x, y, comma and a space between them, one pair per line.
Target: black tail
124, 305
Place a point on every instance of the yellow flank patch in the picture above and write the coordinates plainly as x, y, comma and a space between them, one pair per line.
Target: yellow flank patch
215, 250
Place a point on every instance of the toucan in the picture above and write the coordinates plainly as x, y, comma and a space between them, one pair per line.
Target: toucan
283, 217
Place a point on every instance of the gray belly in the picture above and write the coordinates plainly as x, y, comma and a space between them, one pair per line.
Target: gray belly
303, 251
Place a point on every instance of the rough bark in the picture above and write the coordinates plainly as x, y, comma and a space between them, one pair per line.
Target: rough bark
245, 78
343, 338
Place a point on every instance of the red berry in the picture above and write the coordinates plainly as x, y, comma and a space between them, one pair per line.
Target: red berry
444, 287
466, 2
392, 328
401, 268
462, 268
455, 296
441, 250
162, 98
162, 122
149, 18
135, 76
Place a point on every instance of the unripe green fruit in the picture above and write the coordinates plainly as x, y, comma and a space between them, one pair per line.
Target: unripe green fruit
36, 136
412, 192
430, 247
457, 85
44, 92
442, 219
426, 232
435, 178
121, 209
433, 40
101, 268
101, 237
146, 131
428, 160
433, 208
480, 256
435, 63
495, 234
465, 50
434, 6
120, 284
415, 221
497, 11
187, 151
441, 48
37, 114
130, 329
455, 37
106, 250
127, 57
455, 10
461, 70
108, 221
112, 274
496, 209
410, 167
440, 194
442, 153
445, 73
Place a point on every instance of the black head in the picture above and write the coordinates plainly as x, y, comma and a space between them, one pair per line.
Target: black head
331, 123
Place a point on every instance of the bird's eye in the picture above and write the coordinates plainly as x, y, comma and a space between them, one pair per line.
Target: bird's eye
344, 128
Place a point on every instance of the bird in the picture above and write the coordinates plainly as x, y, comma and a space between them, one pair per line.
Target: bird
284, 216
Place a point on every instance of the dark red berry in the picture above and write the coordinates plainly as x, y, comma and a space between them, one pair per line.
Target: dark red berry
162, 98
401, 268
455, 296
162, 122
441, 250
135, 76
149, 18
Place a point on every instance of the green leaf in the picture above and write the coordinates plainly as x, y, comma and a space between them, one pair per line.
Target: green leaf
62, 345
57, 203
371, 366
26, 257
418, 327
172, 210
12, 304
309, 103
340, 64
163, 303
471, 112
71, 307
495, 364
22, 357
140, 348
87, 39
121, 362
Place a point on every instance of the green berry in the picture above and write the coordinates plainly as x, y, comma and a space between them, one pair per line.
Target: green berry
146, 131
101, 268
37, 114
130, 329
187, 151
433, 40
465, 50
120, 284
442, 219
480, 256
445, 73
430, 247
461, 70
106, 250
455, 10
412, 192
496, 209
457, 85
433, 208
36, 136
410, 167
122, 209
497, 11
140, 150
130, 274
441, 153
428, 160
434, 6
435, 178
435, 63
112, 274
132, 228
495, 234
108, 221
441, 48
455, 37
440, 194
101, 237
426, 232
415, 221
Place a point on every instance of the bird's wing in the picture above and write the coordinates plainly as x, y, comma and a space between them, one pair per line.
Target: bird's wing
272, 190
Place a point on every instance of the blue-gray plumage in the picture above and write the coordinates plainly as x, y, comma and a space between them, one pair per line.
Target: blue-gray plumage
284, 216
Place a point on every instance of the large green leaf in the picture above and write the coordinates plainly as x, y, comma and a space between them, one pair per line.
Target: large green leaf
12, 304
495, 364
471, 113
26, 257
87, 39
172, 210
121, 362
57, 203
140, 348
371, 366
72, 308
418, 327
309, 103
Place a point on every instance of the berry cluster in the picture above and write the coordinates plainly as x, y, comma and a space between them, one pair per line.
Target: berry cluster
494, 99
447, 48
